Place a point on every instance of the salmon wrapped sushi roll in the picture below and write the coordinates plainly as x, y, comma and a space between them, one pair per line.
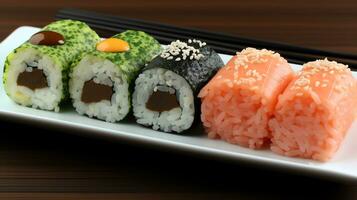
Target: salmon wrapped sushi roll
315, 111
239, 101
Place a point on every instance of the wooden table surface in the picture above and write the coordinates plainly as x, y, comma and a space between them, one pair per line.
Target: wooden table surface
42, 163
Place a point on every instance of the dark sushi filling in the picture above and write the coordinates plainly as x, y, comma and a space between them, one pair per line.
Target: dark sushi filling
93, 92
162, 99
32, 78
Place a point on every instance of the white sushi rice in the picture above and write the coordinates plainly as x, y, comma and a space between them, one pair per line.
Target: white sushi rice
176, 119
104, 72
44, 98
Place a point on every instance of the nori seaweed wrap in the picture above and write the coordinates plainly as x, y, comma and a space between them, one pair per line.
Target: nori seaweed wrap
165, 95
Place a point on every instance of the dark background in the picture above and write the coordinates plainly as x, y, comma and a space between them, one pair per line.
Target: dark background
40, 163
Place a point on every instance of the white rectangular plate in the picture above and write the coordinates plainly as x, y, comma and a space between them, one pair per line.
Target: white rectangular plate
343, 165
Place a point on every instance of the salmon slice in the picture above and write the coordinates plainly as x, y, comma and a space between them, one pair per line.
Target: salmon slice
239, 101
315, 111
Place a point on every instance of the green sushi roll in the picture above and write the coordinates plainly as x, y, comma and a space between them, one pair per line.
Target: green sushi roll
100, 80
36, 73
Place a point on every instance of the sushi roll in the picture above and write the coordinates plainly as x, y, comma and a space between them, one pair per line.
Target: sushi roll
100, 81
239, 101
165, 92
315, 111
36, 73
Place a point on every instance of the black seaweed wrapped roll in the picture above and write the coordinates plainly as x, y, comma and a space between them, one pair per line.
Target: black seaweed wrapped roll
165, 95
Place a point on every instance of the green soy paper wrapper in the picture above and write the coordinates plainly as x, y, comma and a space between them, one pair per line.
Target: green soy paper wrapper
78, 38
142, 49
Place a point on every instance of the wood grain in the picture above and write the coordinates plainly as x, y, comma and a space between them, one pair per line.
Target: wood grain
39, 163
319, 24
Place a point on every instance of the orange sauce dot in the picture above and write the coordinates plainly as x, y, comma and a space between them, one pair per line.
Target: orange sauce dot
113, 45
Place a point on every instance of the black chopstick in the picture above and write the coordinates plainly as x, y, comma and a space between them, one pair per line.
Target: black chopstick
223, 44
167, 40
293, 58
196, 32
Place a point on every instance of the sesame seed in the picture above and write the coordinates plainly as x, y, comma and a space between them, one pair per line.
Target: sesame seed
299, 94
249, 72
182, 50
253, 56
311, 69
326, 66
317, 83
235, 75
339, 88
255, 88
250, 56
230, 84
